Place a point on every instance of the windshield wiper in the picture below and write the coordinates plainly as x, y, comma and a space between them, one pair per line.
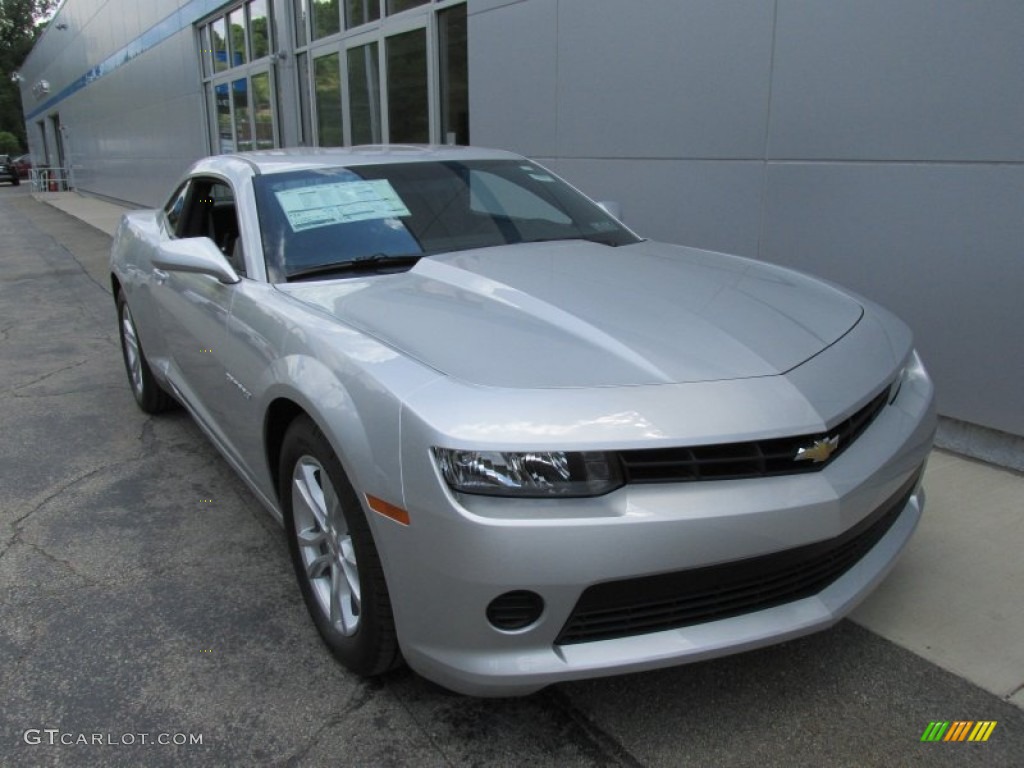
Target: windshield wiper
360, 264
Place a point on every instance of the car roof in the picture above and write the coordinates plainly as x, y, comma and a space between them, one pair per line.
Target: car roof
304, 158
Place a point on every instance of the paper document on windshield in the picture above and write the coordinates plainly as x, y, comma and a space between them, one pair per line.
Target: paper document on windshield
321, 205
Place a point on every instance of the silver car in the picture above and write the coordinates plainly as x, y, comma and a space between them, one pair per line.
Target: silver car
510, 441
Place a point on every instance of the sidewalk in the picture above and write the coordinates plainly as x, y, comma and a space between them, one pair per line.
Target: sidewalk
955, 598
99, 213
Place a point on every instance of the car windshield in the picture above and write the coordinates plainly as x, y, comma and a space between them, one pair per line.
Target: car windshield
319, 217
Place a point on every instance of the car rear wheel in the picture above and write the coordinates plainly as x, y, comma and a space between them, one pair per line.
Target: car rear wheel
148, 394
334, 555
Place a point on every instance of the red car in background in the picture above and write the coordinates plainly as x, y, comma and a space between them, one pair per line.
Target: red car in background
23, 165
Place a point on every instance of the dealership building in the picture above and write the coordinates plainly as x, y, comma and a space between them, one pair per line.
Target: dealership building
877, 143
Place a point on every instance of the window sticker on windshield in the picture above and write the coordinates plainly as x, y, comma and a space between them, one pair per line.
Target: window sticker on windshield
321, 205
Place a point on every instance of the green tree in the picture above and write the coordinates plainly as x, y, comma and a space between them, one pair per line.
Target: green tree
21, 22
9, 144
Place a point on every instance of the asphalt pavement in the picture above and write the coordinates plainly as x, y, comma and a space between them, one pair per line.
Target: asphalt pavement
146, 597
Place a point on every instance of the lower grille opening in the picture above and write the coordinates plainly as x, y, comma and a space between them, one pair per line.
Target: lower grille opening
684, 598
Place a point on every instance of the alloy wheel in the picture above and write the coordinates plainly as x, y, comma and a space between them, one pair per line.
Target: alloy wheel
325, 545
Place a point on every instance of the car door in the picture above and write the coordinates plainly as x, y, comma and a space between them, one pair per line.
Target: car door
251, 345
193, 308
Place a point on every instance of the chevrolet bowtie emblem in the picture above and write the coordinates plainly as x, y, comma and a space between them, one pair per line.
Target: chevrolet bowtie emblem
819, 452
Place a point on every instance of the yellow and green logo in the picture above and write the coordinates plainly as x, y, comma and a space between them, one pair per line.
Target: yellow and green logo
958, 730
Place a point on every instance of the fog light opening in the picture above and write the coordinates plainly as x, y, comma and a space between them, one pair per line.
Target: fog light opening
515, 610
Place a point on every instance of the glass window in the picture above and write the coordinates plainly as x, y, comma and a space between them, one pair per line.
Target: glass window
218, 31
326, 18
305, 117
175, 206
300, 9
454, 71
205, 50
327, 79
236, 29
259, 29
364, 94
225, 131
262, 112
361, 11
243, 131
397, 6
408, 111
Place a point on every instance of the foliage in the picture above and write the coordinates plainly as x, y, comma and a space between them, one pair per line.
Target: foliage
9, 144
21, 22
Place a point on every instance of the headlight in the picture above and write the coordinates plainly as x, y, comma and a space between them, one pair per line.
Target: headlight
533, 474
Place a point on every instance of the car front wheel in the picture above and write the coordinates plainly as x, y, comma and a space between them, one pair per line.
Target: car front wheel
334, 555
148, 394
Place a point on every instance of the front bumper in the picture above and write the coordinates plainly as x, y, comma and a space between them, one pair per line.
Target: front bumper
516, 670
461, 552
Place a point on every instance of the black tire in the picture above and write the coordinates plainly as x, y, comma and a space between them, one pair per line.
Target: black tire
16, 182
361, 635
150, 397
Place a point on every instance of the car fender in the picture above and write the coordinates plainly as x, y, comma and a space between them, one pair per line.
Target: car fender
131, 264
340, 408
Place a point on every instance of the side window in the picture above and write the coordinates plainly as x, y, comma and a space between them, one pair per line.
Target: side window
175, 206
211, 213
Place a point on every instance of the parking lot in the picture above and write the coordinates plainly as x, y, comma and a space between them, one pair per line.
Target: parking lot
147, 597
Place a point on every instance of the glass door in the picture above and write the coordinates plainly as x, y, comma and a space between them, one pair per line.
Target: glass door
243, 110
239, 69
381, 71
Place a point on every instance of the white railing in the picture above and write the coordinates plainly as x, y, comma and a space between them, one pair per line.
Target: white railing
51, 179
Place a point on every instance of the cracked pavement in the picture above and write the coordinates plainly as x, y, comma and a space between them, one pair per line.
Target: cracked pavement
130, 604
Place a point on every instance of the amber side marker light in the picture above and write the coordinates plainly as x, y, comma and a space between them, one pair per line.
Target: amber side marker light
390, 511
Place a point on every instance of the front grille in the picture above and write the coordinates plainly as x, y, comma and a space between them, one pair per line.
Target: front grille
755, 458
683, 598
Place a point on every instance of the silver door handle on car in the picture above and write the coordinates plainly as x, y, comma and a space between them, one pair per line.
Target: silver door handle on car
160, 276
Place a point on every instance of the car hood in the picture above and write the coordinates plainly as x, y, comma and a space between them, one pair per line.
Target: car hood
579, 314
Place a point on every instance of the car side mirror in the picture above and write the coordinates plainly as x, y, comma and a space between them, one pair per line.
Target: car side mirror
612, 209
194, 254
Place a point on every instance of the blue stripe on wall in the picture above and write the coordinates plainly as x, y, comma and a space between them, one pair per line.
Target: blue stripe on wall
183, 18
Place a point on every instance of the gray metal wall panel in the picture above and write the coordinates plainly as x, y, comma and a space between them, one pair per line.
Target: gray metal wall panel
132, 132
480, 6
906, 80
680, 79
688, 80
663, 199
940, 245
512, 61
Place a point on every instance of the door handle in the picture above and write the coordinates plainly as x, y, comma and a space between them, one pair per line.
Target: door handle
160, 276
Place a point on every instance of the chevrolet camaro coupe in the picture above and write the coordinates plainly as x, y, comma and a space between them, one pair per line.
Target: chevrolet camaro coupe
511, 442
